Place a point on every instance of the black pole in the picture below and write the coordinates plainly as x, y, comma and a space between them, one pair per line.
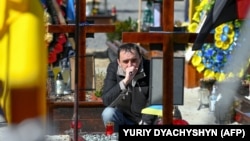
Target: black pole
77, 33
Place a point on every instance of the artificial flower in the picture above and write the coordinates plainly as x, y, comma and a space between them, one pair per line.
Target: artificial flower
192, 27
200, 67
55, 42
209, 74
212, 58
196, 17
196, 60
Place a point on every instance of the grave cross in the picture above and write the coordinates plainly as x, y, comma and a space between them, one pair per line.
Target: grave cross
84, 28
166, 37
81, 28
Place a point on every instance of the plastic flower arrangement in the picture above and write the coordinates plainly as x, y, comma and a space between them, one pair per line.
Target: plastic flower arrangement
54, 42
212, 58
200, 11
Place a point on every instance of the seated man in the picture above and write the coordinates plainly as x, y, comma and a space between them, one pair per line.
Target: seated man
126, 88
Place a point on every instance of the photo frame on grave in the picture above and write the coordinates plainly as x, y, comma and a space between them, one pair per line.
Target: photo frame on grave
156, 80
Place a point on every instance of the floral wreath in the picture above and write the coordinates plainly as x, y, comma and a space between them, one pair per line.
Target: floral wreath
54, 42
212, 58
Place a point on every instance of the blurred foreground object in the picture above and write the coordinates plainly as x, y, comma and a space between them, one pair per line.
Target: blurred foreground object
23, 60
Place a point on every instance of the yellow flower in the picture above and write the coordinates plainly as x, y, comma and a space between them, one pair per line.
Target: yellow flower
201, 6
200, 67
217, 36
196, 60
218, 43
224, 36
209, 74
220, 77
225, 45
192, 27
231, 34
241, 73
231, 26
196, 17
218, 29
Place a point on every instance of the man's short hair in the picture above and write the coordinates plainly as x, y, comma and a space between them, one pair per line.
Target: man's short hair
128, 47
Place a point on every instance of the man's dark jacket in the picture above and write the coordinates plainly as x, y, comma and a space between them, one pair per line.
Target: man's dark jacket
134, 97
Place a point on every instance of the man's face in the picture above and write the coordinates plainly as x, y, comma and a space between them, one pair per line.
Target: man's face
129, 59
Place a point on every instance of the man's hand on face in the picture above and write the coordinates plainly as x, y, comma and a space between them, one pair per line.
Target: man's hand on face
130, 73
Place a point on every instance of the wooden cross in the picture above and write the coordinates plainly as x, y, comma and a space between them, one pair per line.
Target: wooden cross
81, 28
81, 43
167, 37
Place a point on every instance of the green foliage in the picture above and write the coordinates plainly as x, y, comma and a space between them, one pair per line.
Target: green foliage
98, 93
209, 6
248, 77
99, 83
122, 26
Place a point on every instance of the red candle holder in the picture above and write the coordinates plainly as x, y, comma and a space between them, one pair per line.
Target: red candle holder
79, 124
109, 128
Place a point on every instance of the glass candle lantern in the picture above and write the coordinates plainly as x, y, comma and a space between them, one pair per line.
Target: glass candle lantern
204, 94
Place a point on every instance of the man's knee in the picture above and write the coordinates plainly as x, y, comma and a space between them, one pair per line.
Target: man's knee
108, 113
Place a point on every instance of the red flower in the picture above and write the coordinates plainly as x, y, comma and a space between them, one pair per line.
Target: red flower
180, 122
58, 48
52, 57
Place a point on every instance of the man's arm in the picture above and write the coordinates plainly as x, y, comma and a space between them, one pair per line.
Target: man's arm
111, 88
